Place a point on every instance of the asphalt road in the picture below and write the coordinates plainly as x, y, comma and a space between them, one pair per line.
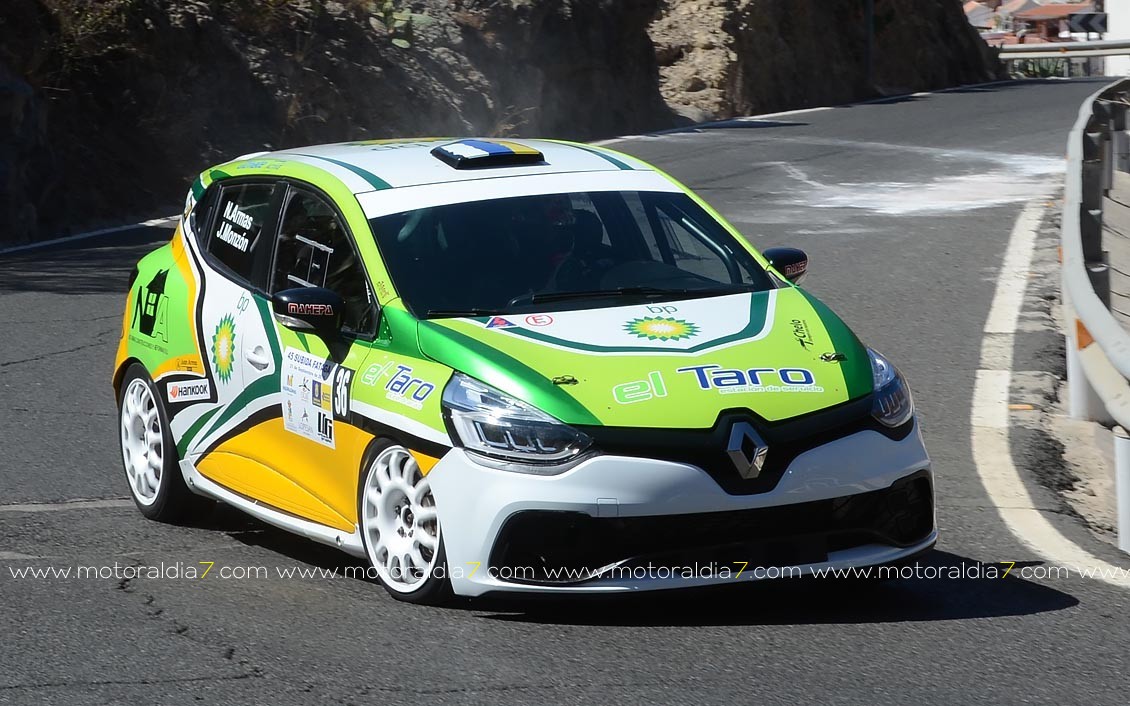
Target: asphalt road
905, 208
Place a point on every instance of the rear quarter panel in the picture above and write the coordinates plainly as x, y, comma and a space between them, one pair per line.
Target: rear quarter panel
158, 326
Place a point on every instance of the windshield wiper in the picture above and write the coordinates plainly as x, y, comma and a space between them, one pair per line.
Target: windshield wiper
459, 313
638, 292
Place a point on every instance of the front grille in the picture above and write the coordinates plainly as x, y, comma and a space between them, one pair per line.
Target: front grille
706, 448
545, 547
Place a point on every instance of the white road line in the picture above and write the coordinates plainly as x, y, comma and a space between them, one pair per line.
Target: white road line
989, 418
91, 234
1012, 281
66, 505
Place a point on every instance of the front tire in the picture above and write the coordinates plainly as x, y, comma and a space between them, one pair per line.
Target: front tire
149, 455
400, 527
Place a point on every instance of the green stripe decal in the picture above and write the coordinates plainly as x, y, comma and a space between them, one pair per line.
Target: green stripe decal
260, 388
758, 316
504, 372
602, 154
374, 181
857, 366
263, 386
194, 430
197, 189
269, 325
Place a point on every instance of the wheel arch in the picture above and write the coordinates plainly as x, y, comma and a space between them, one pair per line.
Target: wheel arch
120, 373
384, 436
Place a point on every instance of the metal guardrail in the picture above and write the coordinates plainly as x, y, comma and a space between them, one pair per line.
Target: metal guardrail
1060, 58
1098, 346
1059, 50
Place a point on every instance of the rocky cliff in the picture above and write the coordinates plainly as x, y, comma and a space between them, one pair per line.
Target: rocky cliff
108, 107
720, 58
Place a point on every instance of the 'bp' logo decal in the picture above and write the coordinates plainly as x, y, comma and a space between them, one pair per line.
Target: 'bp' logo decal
661, 328
223, 347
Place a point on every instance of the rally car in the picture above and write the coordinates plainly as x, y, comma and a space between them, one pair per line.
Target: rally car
516, 366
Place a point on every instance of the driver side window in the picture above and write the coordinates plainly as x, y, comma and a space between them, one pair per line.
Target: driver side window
314, 250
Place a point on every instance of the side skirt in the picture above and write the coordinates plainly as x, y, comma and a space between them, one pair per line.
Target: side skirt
349, 543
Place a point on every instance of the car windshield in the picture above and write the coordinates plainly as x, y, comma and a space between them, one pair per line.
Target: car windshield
561, 251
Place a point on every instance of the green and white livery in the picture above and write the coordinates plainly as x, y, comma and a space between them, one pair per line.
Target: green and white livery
519, 366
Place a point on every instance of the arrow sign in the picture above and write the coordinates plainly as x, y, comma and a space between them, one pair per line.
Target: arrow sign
1087, 22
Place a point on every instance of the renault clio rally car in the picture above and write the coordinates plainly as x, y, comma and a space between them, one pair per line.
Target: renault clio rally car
521, 366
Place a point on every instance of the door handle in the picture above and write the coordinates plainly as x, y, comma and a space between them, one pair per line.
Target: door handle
258, 358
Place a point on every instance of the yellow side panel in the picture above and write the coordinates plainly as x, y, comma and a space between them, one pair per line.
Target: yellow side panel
312, 481
123, 341
253, 479
180, 364
424, 461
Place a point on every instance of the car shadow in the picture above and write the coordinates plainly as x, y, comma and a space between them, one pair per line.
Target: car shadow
807, 601
727, 124
252, 532
931, 596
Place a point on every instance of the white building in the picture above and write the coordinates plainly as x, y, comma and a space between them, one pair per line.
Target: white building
1118, 26
979, 14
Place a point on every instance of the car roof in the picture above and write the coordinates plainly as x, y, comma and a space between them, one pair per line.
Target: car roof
374, 165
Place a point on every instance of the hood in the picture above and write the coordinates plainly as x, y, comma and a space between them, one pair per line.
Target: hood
671, 364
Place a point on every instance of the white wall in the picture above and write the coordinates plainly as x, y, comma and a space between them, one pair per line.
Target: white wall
981, 18
1118, 22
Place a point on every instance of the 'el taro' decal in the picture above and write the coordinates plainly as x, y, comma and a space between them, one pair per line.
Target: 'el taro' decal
734, 380
403, 386
640, 390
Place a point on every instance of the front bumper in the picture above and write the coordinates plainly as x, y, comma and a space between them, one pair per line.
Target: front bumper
667, 525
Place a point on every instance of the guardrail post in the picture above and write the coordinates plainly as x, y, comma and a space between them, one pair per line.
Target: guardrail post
1099, 274
1094, 181
1108, 163
1082, 400
1120, 140
1122, 485
1097, 178
1091, 225
1121, 150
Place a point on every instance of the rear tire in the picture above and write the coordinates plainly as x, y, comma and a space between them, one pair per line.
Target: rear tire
400, 527
149, 456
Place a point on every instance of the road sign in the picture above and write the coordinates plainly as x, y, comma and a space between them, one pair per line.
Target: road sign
1087, 22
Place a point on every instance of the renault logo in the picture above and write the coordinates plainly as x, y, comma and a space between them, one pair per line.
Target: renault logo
746, 450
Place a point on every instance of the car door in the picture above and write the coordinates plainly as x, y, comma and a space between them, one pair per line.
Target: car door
237, 244
315, 447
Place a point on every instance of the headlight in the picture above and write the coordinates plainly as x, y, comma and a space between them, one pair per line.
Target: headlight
893, 404
514, 435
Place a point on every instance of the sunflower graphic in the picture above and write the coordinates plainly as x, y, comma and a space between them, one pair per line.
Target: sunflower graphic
661, 328
223, 347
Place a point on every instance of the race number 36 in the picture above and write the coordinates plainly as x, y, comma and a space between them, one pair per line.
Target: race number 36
341, 392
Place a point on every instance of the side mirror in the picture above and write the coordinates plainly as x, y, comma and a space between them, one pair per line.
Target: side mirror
309, 309
791, 262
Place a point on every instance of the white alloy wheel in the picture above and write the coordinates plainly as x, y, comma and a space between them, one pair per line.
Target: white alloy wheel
400, 523
143, 442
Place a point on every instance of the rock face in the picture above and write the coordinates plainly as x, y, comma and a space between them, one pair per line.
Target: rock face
110, 108
146, 93
720, 58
